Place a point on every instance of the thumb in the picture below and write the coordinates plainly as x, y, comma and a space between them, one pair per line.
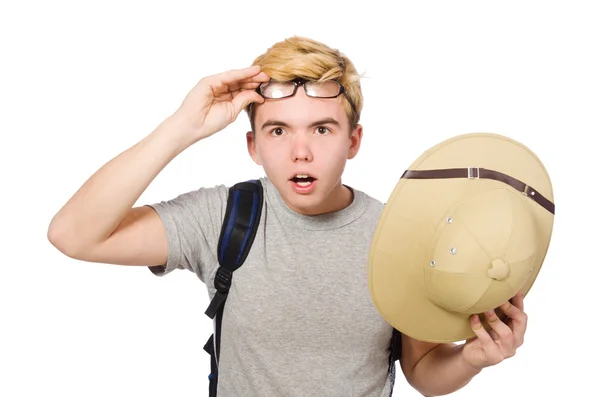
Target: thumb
245, 98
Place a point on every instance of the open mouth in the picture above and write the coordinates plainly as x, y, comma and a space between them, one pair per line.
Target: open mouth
303, 180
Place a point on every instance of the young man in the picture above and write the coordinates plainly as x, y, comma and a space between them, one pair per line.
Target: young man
299, 320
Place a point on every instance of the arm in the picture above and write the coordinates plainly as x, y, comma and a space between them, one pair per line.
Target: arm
435, 369
440, 369
99, 223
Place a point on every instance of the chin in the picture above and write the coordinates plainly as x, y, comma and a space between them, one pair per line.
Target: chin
306, 204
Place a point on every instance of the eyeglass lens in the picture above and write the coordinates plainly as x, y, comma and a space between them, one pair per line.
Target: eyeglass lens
327, 89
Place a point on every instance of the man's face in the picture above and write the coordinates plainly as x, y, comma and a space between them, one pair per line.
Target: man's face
304, 136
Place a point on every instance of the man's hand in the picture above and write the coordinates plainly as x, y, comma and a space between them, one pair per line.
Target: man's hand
503, 339
216, 101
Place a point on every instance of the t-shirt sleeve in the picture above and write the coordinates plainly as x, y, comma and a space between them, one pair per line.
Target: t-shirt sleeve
192, 224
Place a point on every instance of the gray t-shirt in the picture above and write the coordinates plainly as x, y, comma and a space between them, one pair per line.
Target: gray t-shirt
299, 320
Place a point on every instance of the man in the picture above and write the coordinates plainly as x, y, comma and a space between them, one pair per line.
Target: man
299, 319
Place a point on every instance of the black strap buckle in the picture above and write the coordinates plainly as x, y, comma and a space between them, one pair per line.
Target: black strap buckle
223, 279
222, 285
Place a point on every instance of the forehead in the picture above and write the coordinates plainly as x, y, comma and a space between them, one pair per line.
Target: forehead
300, 110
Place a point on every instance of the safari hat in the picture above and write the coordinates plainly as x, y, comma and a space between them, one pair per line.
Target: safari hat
466, 227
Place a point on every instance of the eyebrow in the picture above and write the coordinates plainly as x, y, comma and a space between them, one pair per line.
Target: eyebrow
278, 123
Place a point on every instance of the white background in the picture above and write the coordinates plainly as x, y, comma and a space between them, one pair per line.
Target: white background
82, 81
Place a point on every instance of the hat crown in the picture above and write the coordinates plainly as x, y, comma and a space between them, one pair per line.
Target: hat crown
484, 255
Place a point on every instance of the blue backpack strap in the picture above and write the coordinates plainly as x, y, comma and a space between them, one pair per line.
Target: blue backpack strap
242, 216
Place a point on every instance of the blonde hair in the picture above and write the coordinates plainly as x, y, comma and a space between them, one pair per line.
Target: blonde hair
301, 57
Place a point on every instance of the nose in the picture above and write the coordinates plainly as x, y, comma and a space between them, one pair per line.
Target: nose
301, 148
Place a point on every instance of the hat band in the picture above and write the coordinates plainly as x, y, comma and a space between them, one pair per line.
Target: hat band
477, 173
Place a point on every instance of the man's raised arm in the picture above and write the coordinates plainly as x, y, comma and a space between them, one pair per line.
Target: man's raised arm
99, 223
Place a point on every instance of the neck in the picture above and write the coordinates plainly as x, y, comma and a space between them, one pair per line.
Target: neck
339, 198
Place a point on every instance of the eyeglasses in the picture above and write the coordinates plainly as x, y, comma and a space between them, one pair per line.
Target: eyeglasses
327, 89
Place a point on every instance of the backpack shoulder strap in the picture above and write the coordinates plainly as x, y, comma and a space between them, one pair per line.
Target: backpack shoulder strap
396, 345
240, 223
244, 206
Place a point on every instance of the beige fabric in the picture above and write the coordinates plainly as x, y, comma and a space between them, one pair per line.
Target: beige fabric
448, 248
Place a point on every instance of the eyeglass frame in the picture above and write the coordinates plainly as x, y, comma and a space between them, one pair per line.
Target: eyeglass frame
302, 82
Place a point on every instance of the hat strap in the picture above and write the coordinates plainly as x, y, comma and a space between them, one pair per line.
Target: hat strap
477, 173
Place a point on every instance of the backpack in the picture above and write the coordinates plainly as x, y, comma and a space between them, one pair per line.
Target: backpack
240, 223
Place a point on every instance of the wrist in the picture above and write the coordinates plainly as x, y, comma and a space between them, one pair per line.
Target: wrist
464, 364
176, 133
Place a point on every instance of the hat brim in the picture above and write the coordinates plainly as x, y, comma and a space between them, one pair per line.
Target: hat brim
399, 248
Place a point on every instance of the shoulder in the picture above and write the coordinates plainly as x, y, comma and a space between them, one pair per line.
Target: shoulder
197, 199
372, 206
194, 211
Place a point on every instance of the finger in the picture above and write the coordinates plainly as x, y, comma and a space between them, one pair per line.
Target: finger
513, 312
494, 334
505, 334
487, 343
518, 300
518, 319
259, 78
243, 86
222, 88
244, 98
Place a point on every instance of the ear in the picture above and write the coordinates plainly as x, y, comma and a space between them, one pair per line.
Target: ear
355, 140
251, 143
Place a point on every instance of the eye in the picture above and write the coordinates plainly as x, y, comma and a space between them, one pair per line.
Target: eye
277, 131
323, 130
